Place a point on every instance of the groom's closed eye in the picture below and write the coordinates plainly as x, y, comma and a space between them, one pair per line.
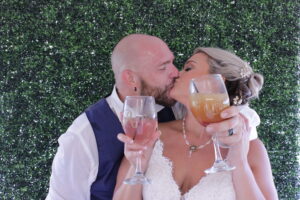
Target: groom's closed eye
163, 66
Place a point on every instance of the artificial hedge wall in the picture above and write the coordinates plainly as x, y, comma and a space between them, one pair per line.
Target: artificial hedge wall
54, 61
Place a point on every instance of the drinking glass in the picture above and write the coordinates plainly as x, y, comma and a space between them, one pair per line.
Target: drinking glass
139, 123
208, 98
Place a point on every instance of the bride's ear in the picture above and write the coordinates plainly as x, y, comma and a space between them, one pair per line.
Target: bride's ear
223, 77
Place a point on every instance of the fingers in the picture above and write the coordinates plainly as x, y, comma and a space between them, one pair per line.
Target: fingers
223, 126
136, 148
154, 138
231, 111
237, 123
228, 141
129, 143
125, 139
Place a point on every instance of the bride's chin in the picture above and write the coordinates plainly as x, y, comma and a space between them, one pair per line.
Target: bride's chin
175, 94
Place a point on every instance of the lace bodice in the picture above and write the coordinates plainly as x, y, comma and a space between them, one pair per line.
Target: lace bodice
217, 186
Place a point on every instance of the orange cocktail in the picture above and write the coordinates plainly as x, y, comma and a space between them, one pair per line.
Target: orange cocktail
207, 107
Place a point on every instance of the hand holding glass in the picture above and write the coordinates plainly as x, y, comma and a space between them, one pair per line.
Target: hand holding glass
208, 98
139, 123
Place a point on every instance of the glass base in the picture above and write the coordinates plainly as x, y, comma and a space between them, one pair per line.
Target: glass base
219, 166
138, 178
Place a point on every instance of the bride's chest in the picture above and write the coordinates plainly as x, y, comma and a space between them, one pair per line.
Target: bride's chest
188, 168
174, 174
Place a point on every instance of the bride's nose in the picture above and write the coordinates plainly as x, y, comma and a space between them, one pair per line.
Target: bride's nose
180, 72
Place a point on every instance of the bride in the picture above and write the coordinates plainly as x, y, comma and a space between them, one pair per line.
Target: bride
177, 174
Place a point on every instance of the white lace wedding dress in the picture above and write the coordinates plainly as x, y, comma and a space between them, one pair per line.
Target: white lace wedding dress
217, 186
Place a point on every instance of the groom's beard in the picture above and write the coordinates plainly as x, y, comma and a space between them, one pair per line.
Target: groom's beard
161, 95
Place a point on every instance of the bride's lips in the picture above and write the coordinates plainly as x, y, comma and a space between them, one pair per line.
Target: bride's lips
171, 86
176, 81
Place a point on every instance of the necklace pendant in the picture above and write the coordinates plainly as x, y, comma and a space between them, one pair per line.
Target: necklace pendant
193, 148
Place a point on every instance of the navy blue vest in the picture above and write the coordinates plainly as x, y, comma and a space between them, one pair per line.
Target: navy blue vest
106, 126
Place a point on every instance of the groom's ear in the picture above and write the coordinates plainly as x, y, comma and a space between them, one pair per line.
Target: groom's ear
130, 77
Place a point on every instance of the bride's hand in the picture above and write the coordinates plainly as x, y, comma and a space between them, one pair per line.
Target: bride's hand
132, 149
232, 120
238, 153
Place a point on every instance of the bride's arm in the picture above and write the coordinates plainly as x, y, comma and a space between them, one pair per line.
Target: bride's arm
125, 191
127, 168
261, 168
252, 177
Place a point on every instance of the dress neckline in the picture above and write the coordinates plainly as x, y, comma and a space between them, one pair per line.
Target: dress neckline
170, 168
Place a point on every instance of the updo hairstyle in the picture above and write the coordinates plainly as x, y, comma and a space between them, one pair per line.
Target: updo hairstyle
241, 82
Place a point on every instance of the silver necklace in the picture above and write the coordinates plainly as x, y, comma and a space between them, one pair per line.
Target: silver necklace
192, 147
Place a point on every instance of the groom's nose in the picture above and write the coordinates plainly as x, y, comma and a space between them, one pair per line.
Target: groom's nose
174, 72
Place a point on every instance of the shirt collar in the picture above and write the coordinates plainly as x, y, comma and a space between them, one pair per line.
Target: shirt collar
116, 104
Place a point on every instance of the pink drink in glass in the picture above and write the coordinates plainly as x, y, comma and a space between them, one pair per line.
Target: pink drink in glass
140, 129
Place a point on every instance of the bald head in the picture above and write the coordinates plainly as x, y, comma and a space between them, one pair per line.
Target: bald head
133, 50
143, 65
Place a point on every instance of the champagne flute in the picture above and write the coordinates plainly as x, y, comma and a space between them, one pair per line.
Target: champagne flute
139, 123
208, 98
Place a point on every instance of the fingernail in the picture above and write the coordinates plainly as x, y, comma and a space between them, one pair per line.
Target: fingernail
209, 129
140, 152
131, 142
224, 114
145, 147
119, 137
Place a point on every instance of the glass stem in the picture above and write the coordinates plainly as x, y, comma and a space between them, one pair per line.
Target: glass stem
138, 168
218, 156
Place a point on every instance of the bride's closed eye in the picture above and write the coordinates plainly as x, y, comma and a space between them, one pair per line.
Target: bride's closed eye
188, 68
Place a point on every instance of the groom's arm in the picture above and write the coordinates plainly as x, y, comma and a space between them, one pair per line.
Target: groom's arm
75, 164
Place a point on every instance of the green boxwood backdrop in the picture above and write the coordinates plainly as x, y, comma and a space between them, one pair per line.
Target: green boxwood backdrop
55, 61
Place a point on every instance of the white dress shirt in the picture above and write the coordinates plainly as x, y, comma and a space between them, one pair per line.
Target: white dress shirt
75, 165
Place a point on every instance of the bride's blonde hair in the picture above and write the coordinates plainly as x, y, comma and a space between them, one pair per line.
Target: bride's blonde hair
241, 82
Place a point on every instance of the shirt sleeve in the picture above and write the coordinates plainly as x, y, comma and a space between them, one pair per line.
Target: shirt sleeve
253, 119
75, 164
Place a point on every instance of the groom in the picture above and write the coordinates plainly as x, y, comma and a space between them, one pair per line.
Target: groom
89, 154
